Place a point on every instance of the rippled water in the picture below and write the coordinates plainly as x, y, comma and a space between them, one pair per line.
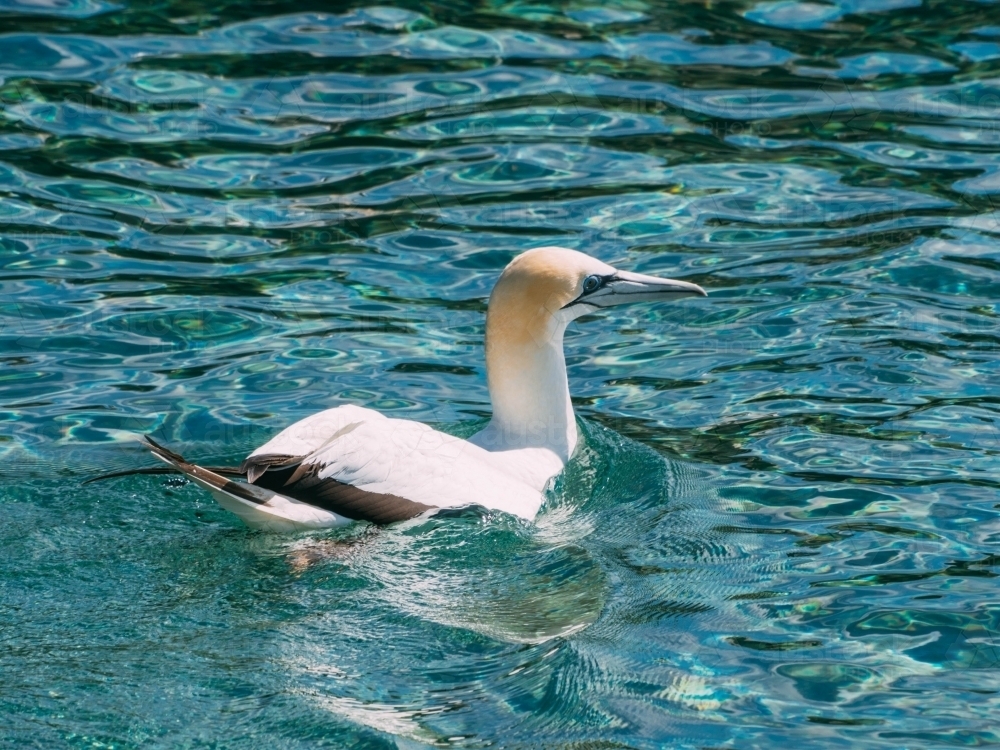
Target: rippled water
217, 218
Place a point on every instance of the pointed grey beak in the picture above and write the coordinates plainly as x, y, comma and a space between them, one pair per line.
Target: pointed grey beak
625, 287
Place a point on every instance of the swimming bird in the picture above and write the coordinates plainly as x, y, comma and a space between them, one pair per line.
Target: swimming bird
351, 463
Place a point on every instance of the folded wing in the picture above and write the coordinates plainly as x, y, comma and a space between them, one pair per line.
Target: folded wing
361, 465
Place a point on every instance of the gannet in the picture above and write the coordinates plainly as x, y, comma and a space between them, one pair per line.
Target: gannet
351, 463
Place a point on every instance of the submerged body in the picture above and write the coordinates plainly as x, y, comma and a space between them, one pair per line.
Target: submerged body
350, 463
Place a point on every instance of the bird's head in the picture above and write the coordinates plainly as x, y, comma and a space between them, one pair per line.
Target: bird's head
542, 290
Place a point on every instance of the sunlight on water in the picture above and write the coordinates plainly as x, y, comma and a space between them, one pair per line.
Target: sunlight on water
781, 526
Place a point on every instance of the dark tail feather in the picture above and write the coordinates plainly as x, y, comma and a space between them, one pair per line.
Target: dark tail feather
232, 471
159, 449
215, 483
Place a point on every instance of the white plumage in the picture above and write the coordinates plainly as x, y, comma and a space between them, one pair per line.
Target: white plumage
350, 463
367, 450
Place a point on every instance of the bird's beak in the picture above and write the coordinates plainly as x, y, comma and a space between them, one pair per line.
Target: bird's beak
625, 287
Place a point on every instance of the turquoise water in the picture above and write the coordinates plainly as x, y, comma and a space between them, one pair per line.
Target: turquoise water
217, 218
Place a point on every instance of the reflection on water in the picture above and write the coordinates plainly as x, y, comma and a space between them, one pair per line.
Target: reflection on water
218, 218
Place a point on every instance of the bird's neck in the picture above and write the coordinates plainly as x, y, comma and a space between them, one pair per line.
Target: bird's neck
526, 370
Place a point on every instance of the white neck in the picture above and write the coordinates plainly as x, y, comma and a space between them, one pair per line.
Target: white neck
528, 388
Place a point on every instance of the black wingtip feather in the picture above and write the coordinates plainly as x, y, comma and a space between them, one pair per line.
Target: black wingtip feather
166, 452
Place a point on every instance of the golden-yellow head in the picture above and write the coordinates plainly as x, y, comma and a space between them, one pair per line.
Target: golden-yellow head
542, 290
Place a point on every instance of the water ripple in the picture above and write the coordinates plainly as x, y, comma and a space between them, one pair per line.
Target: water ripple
781, 526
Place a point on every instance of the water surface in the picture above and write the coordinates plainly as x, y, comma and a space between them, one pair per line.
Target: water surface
217, 218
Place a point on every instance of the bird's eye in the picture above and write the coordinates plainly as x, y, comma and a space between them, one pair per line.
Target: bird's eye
591, 283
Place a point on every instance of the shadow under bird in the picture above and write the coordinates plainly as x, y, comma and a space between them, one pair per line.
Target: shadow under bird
350, 463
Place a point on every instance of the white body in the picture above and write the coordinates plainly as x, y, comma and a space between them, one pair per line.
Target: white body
370, 451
